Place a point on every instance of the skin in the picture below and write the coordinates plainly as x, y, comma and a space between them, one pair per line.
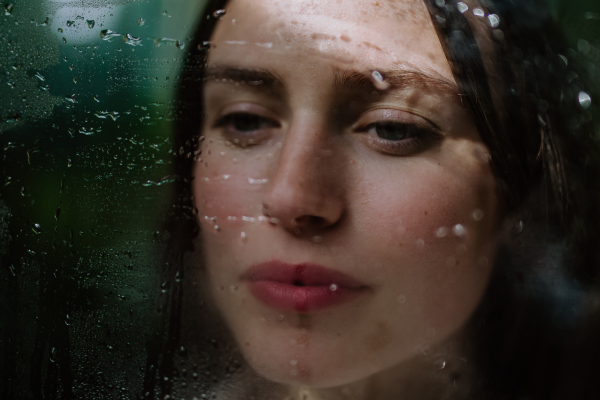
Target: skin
316, 183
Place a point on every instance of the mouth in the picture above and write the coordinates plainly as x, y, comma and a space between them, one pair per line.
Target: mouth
301, 288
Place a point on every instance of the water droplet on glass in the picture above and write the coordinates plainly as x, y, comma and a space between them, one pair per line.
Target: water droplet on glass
441, 231
64, 39
478, 12
333, 287
8, 9
165, 13
591, 15
401, 299
440, 3
583, 46
317, 239
585, 100
379, 81
458, 230
107, 34
233, 288
462, 7
420, 243
294, 362
132, 40
37, 229
141, 21
477, 214
564, 59
67, 320
217, 228
494, 20
90, 23
57, 214
219, 13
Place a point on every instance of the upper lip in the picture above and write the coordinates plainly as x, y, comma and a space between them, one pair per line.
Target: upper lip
303, 274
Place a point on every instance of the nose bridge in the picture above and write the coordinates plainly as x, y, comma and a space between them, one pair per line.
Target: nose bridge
306, 179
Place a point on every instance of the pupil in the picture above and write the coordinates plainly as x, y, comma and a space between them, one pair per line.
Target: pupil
392, 131
245, 122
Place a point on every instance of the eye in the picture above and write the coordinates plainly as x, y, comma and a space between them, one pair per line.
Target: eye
246, 128
399, 138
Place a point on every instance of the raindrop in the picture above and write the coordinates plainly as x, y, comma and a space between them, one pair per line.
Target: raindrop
37, 229
53, 354
107, 34
585, 100
8, 9
440, 3
401, 299
233, 288
494, 20
90, 23
333, 287
57, 214
477, 214
64, 39
96, 98
217, 228
317, 239
591, 15
141, 21
519, 227
132, 40
583, 46
243, 237
420, 243
462, 7
378, 80
294, 362
564, 59
70, 23
450, 261
458, 230
441, 231
219, 13
68, 320
23, 191
166, 14
60, 30
478, 12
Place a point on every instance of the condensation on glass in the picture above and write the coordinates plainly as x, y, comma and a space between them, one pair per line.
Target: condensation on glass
299, 200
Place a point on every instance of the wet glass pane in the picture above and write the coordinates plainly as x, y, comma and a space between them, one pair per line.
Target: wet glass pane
299, 200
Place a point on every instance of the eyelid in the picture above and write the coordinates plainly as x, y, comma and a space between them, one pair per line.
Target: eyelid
381, 115
248, 108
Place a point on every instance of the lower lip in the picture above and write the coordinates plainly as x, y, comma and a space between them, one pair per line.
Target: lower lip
301, 299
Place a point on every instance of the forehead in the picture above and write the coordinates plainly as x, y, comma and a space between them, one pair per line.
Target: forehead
385, 34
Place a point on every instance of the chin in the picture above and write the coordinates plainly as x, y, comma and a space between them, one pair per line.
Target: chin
299, 357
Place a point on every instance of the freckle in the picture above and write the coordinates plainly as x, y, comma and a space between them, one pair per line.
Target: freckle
345, 38
425, 213
339, 334
401, 244
247, 344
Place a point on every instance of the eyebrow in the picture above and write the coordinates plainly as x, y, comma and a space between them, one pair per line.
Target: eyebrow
400, 78
342, 79
259, 77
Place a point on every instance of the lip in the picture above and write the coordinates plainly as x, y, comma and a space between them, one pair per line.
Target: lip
301, 288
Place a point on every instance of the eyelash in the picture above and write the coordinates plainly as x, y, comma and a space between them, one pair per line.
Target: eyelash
246, 137
414, 140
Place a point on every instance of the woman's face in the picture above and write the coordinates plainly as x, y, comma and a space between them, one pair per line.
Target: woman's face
345, 200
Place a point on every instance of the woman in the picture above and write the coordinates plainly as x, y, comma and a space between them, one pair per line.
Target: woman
359, 172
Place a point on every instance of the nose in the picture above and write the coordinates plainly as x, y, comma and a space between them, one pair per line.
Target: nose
305, 190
